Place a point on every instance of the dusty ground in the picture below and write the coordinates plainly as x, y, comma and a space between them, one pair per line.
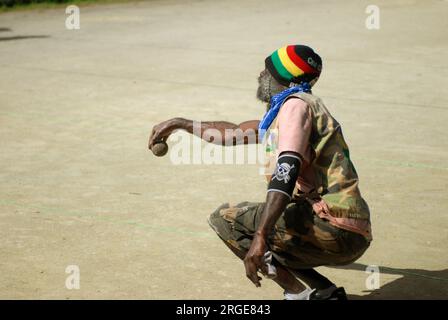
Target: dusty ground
78, 186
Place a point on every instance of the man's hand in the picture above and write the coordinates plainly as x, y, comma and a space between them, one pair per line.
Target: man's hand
161, 131
254, 259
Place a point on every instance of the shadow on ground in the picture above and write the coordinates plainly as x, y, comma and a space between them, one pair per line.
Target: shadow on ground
414, 284
23, 37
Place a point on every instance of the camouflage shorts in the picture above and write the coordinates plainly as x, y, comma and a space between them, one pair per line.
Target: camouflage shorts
299, 240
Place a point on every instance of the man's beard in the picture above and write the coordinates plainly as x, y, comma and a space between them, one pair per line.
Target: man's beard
268, 87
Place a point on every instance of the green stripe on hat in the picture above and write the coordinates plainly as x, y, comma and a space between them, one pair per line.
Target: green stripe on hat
280, 68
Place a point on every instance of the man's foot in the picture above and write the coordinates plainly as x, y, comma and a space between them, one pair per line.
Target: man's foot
331, 293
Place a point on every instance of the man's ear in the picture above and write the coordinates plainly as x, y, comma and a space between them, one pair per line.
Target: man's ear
312, 82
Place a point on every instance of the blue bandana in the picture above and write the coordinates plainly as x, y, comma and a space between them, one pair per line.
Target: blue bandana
276, 103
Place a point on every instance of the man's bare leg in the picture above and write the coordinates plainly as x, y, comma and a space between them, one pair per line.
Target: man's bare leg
284, 278
312, 278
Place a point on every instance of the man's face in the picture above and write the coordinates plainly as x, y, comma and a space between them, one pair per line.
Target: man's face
268, 86
264, 86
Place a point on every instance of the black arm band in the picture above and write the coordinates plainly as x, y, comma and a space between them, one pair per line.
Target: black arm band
285, 176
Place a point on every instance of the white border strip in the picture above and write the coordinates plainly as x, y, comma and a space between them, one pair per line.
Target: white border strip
276, 190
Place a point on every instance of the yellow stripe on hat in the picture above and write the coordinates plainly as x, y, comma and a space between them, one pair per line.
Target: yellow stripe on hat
288, 64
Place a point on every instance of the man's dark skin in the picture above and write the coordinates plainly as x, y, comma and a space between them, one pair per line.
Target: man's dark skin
275, 202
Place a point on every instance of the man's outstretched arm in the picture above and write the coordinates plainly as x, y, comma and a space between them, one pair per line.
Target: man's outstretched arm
217, 132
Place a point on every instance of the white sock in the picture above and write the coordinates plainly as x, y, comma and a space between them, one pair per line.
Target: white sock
304, 295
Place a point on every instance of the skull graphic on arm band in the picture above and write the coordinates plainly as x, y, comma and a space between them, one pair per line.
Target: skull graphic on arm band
286, 172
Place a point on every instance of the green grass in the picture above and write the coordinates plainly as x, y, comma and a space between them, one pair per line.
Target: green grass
53, 4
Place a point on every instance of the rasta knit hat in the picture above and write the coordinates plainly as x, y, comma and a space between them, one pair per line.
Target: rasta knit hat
295, 64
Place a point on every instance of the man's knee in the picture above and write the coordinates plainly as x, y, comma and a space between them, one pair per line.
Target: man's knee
225, 212
219, 223
216, 215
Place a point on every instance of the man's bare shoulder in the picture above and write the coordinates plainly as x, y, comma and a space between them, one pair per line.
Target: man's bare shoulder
294, 107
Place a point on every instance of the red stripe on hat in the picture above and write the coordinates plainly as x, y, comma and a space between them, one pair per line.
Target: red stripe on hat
306, 68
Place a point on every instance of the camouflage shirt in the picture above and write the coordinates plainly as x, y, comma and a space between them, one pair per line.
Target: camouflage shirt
328, 178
